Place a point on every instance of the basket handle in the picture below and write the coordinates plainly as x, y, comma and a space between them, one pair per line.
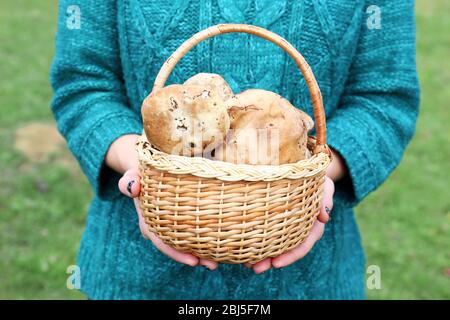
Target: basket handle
316, 96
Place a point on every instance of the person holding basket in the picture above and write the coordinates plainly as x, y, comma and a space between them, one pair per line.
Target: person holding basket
104, 69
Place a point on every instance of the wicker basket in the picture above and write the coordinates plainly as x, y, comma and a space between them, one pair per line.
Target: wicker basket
226, 212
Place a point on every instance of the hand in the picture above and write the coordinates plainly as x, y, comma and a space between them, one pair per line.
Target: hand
122, 157
335, 171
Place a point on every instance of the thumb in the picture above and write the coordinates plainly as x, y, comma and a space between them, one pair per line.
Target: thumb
130, 184
327, 200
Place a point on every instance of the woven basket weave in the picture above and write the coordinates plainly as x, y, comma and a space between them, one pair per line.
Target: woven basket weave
233, 213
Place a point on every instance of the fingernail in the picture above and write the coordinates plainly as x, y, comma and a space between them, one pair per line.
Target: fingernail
327, 210
277, 265
129, 186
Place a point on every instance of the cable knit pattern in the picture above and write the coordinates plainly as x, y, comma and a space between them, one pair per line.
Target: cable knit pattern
102, 72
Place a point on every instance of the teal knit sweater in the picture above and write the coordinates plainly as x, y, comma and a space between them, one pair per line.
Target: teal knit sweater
105, 68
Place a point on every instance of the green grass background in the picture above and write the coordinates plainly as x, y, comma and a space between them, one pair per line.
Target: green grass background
405, 224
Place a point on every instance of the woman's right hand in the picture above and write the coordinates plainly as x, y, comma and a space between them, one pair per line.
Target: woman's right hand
122, 158
130, 186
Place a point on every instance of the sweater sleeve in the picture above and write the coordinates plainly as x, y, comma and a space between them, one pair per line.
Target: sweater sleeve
89, 102
377, 112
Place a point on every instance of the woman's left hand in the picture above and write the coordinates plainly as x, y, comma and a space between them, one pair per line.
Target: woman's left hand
315, 234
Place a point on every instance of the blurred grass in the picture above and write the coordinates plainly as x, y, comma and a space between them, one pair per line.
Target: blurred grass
405, 224
43, 205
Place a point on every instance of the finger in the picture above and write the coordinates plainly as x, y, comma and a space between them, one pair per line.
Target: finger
173, 253
144, 228
262, 266
327, 201
130, 184
211, 265
300, 251
133, 171
169, 251
142, 225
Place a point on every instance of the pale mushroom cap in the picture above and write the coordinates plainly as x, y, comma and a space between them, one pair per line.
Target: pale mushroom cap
185, 119
265, 129
211, 81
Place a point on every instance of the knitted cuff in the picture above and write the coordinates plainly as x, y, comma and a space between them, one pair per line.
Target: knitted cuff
345, 137
96, 144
